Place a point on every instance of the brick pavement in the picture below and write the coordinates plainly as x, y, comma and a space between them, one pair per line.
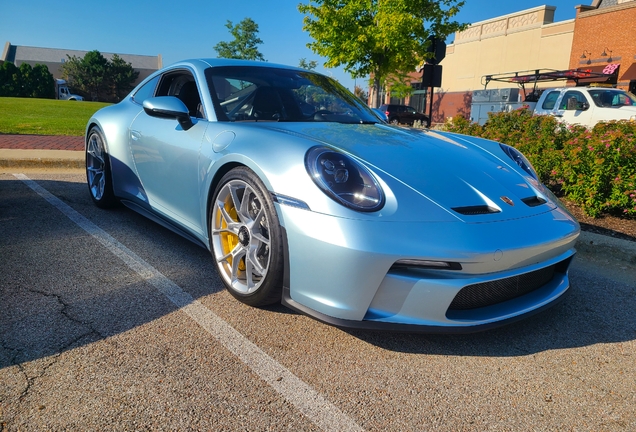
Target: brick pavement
41, 142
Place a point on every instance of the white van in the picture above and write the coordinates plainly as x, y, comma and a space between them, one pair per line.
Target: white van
587, 105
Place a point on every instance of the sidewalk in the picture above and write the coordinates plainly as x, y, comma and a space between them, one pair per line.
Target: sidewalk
30, 151
41, 150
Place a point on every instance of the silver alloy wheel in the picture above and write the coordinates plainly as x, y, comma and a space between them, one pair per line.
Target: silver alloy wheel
96, 165
241, 236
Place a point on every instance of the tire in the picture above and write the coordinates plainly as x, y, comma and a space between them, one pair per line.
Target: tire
394, 121
246, 239
98, 172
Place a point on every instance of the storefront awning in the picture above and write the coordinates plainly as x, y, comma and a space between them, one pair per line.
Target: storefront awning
604, 74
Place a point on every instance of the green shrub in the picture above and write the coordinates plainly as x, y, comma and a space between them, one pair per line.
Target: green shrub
459, 124
599, 169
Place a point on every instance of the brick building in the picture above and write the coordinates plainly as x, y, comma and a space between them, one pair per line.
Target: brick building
605, 33
601, 34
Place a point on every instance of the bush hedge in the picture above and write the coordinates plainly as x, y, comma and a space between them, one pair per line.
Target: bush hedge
595, 168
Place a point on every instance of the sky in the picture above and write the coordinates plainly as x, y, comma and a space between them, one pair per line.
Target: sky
188, 29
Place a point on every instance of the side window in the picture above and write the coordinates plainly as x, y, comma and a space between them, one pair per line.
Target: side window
147, 91
550, 100
573, 101
182, 85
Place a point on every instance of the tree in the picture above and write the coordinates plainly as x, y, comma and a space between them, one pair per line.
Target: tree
98, 77
309, 65
244, 45
9, 79
121, 77
87, 74
26, 81
384, 39
42, 82
26, 86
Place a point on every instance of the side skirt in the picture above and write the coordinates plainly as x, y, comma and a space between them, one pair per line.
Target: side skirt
164, 223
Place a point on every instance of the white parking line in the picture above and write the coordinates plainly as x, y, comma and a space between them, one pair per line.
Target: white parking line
308, 401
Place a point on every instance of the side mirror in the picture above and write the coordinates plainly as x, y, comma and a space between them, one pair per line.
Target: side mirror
584, 106
168, 107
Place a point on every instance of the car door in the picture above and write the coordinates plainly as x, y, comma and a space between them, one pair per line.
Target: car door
574, 108
167, 157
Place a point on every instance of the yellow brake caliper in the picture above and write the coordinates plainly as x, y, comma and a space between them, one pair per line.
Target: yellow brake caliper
230, 240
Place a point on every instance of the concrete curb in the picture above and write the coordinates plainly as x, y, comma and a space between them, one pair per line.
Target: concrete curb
607, 246
11, 158
619, 249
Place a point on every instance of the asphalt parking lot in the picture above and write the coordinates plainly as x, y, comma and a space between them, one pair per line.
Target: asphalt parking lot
110, 322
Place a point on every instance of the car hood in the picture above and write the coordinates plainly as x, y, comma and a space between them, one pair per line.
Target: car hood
471, 177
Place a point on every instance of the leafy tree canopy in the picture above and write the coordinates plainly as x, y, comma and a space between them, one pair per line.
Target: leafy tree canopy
244, 45
378, 38
99, 77
122, 76
26, 81
9, 79
42, 82
87, 74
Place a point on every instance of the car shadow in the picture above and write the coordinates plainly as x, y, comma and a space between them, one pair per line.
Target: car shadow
61, 289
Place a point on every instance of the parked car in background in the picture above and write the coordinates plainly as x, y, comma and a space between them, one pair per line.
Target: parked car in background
404, 114
587, 105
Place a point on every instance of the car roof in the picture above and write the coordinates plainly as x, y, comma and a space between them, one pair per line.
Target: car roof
219, 62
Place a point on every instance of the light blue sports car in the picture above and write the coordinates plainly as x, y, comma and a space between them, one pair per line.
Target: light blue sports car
305, 196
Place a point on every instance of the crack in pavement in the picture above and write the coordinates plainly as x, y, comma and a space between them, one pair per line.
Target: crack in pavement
16, 352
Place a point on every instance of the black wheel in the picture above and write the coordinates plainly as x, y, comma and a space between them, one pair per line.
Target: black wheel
98, 173
394, 121
246, 239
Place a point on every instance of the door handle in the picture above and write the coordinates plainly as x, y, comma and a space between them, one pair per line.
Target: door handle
135, 135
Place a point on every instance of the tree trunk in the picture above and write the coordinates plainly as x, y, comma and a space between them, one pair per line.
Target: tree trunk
377, 88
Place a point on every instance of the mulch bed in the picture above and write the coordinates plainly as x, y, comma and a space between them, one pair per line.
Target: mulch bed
621, 227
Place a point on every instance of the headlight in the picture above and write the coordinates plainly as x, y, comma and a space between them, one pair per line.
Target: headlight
344, 180
520, 160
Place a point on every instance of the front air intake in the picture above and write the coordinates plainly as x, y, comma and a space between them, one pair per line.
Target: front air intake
533, 201
490, 293
476, 210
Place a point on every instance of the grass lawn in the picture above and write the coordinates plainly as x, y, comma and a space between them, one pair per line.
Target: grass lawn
27, 116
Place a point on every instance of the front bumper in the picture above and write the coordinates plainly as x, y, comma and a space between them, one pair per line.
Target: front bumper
342, 272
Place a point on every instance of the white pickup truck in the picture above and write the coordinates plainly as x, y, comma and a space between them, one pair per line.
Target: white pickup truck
587, 105
62, 91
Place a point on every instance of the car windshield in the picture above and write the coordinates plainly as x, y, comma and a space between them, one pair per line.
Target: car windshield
253, 93
612, 98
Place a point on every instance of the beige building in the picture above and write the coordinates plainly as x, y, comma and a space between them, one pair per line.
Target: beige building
521, 41
54, 58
